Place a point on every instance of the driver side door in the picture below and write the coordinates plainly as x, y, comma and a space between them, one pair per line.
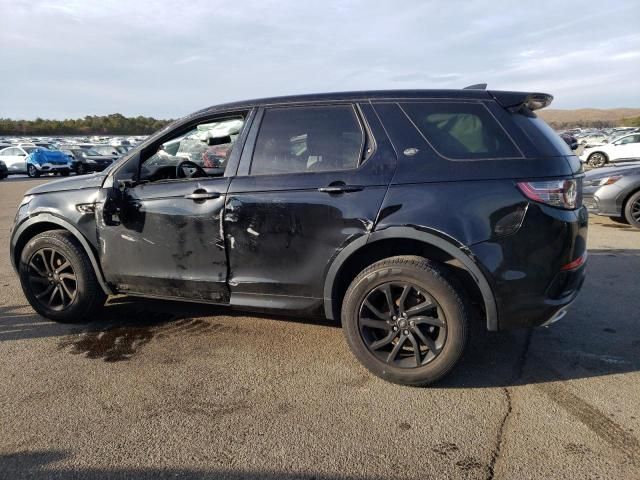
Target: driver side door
166, 239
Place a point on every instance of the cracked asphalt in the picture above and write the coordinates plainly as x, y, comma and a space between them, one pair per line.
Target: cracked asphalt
168, 390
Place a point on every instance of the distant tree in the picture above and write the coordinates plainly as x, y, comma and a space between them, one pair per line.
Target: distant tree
114, 124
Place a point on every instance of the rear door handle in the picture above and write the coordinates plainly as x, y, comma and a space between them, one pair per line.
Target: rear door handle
340, 188
200, 195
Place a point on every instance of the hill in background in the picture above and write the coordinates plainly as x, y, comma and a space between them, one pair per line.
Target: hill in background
591, 117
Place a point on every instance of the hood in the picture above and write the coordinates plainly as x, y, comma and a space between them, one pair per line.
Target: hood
72, 183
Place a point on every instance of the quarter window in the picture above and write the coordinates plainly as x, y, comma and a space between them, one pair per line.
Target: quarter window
461, 131
308, 139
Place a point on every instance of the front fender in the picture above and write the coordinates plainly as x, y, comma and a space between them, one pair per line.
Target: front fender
17, 238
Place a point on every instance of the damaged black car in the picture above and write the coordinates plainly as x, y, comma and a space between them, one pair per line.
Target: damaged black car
403, 215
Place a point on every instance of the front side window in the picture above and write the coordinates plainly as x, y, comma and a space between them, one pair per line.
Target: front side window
461, 131
308, 139
200, 152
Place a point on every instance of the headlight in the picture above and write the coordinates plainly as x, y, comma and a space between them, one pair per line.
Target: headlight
601, 182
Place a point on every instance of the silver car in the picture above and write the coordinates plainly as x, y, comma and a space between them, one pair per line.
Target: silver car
614, 191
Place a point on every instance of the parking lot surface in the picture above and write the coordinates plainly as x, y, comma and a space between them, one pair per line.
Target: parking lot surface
163, 389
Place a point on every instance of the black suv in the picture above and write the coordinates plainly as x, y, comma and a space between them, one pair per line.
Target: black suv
404, 215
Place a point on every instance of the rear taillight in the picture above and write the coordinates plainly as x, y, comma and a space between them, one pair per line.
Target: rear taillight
557, 193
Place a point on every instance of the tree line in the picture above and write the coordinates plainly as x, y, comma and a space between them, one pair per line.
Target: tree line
114, 124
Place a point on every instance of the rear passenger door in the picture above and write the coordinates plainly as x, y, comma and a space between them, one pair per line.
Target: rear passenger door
311, 180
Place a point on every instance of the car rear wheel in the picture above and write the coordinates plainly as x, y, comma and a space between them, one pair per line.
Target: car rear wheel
58, 279
32, 171
632, 210
405, 320
597, 160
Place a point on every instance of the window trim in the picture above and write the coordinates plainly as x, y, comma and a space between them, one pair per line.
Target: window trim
437, 152
365, 133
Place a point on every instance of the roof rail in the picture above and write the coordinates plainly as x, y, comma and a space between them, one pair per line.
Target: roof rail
477, 86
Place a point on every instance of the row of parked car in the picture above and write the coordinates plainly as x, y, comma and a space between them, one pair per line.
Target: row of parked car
603, 146
36, 157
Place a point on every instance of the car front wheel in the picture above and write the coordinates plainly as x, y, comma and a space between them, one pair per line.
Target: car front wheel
632, 210
58, 279
33, 171
405, 320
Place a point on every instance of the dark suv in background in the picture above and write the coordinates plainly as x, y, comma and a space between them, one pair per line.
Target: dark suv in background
404, 215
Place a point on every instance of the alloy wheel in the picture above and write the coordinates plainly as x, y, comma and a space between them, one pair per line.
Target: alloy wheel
402, 325
597, 160
52, 279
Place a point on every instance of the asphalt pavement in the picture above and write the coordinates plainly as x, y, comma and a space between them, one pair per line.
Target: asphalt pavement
154, 389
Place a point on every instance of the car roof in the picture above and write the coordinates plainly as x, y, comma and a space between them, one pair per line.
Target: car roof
364, 95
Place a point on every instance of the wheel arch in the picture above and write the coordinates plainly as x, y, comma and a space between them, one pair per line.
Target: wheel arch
45, 222
402, 241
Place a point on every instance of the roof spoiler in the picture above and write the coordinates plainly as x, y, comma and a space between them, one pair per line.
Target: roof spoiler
516, 101
476, 86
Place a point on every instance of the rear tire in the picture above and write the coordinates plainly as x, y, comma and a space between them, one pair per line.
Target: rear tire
632, 210
427, 310
58, 279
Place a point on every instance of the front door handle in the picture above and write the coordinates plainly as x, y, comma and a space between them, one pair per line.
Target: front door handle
340, 188
200, 195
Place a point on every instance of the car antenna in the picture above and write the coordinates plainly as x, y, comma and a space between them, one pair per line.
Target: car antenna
477, 86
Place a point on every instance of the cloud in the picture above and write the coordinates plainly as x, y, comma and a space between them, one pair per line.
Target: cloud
70, 58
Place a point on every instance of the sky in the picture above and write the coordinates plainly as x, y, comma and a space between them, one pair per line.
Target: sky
72, 58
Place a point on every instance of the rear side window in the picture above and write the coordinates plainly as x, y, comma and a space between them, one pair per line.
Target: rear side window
308, 139
461, 131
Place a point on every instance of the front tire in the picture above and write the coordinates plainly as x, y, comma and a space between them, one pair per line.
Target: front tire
597, 160
58, 279
405, 321
32, 171
632, 210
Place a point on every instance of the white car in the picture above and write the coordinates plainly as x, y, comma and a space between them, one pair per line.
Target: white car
622, 149
15, 158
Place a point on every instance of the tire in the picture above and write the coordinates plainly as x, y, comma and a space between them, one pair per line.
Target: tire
597, 160
440, 347
632, 210
32, 171
49, 252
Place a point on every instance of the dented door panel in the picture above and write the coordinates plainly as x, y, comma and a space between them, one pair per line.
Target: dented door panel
166, 244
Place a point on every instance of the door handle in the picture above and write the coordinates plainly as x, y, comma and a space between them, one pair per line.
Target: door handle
340, 188
200, 195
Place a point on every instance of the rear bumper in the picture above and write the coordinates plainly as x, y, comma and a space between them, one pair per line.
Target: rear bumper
526, 268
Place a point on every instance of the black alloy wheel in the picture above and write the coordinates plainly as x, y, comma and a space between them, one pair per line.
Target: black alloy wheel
402, 325
58, 279
52, 279
405, 319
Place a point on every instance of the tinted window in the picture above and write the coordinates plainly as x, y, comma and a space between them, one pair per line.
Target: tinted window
308, 139
461, 130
